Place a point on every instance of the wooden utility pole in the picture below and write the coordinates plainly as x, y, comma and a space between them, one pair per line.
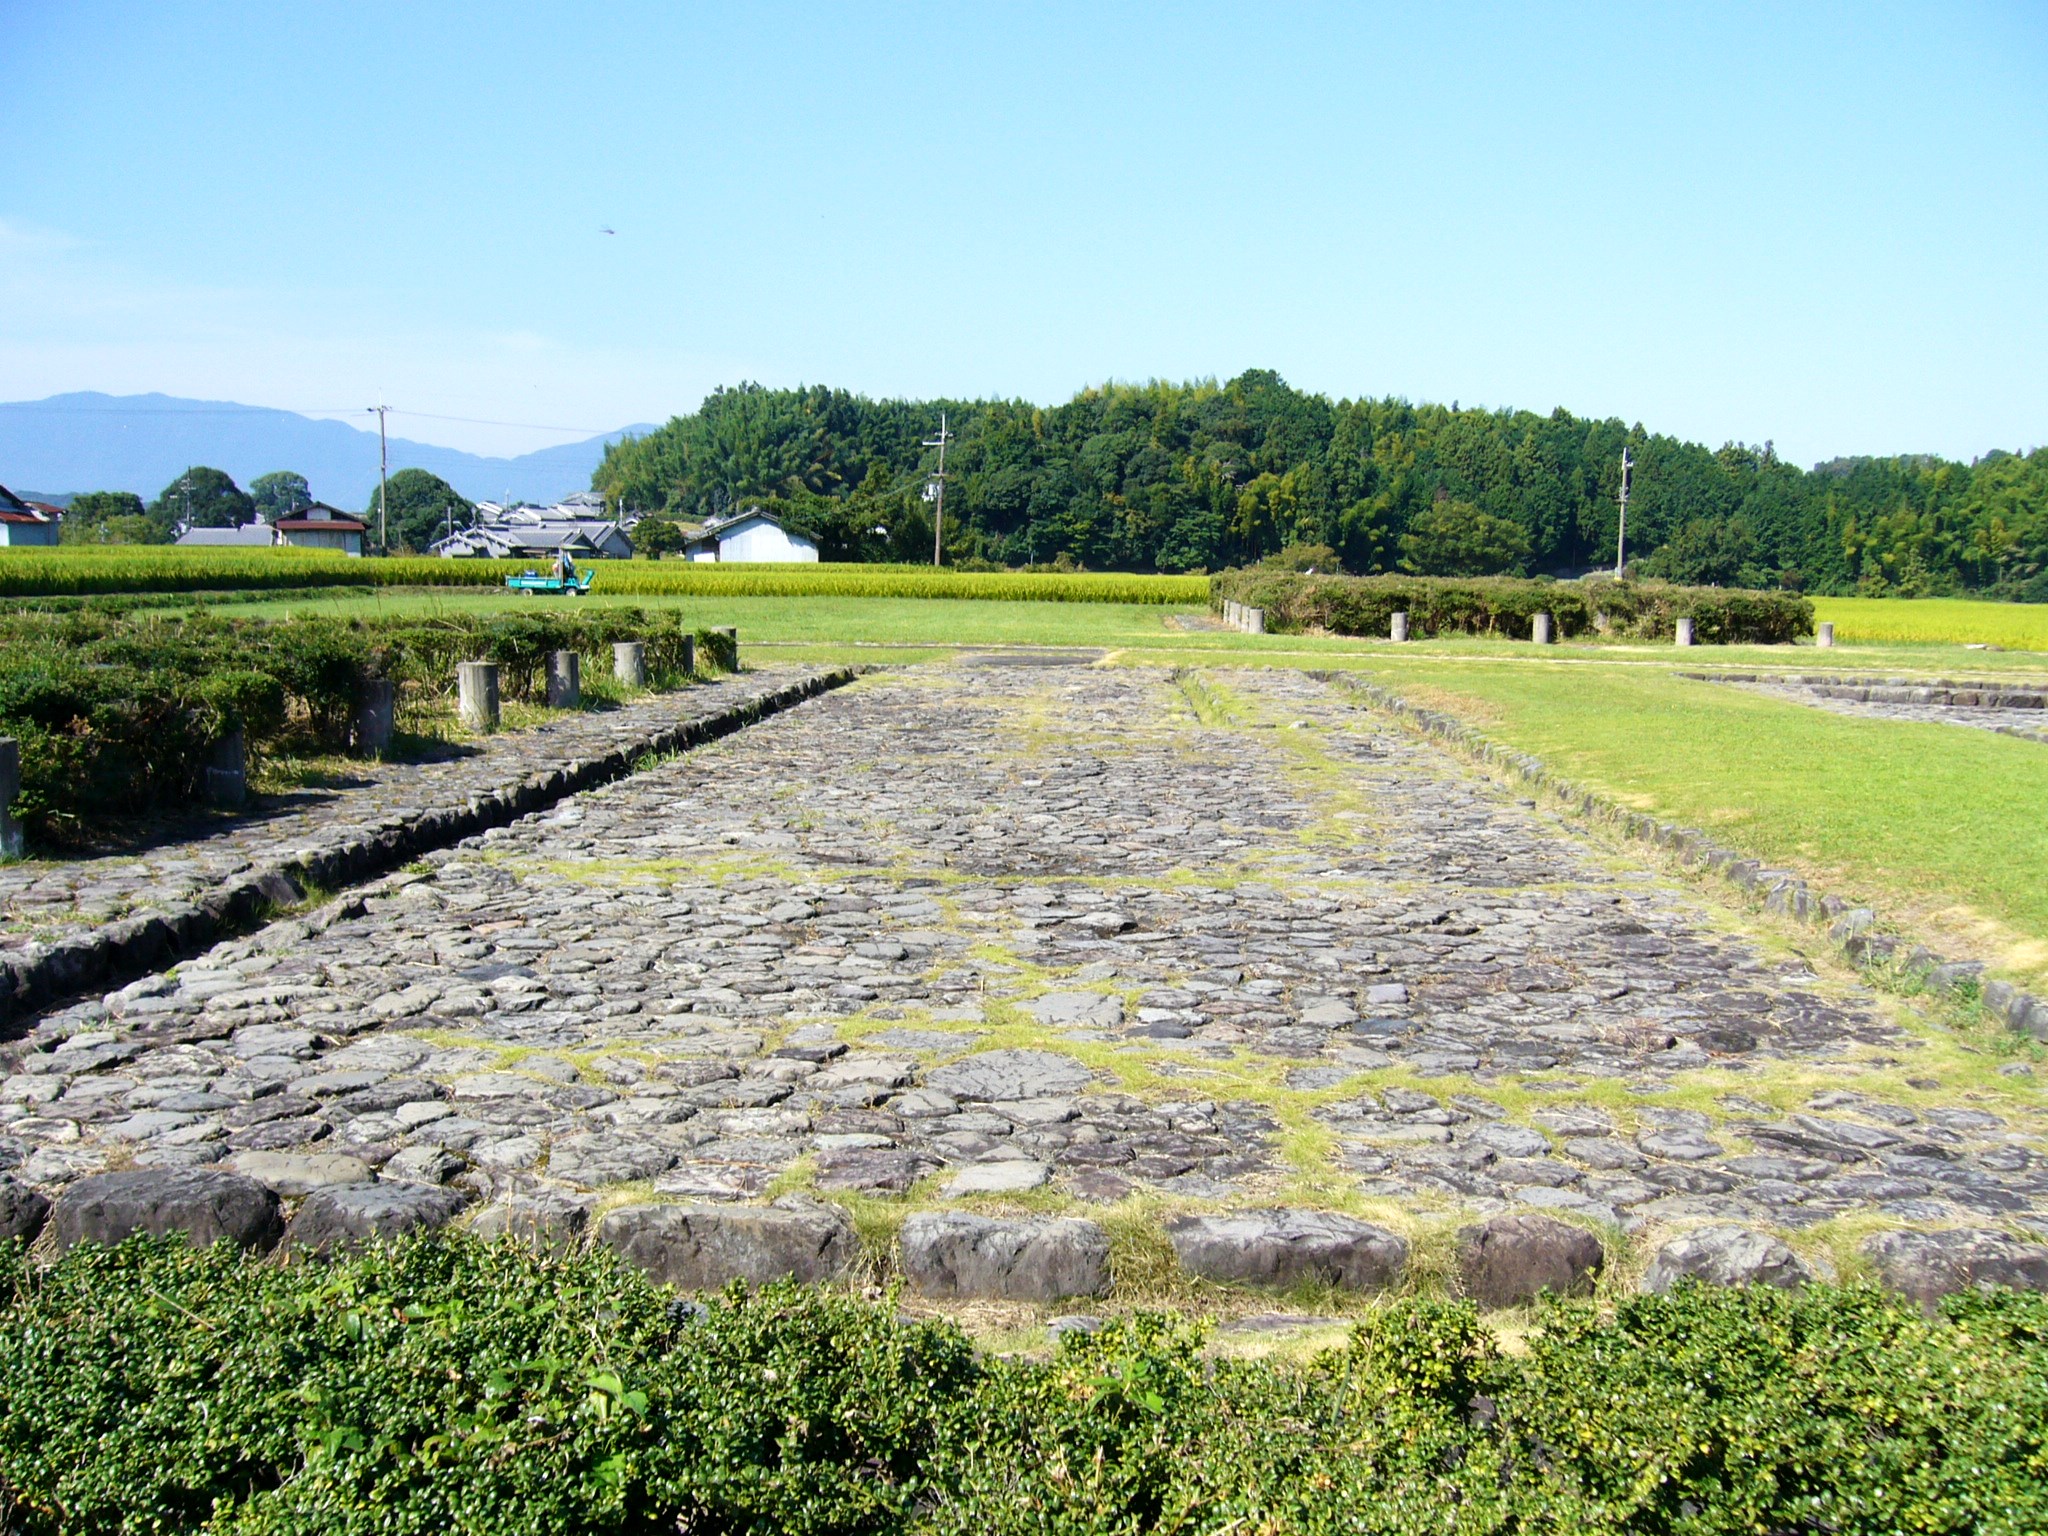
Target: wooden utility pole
1621, 533
939, 482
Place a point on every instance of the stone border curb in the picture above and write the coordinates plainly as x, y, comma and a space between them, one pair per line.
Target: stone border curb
1892, 690
1853, 929
118, 952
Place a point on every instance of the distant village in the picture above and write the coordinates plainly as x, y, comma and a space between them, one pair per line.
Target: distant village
578, 527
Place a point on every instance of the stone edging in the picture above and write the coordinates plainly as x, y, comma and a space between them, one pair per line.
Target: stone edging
117, 952
1891, 690
1854, 929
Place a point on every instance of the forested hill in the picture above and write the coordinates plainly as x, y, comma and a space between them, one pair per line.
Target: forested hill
1189, 476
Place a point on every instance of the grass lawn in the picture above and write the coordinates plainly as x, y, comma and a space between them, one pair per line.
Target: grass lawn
1941, 827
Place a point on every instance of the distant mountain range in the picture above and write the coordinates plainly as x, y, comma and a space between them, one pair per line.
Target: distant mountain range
53, 449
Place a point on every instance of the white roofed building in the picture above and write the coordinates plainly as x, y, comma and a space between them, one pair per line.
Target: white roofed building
749, 536
576, 526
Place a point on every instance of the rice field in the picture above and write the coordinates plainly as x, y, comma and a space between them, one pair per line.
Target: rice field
156, 568
1934, 621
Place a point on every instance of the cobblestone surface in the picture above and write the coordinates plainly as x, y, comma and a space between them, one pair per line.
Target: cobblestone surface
46, 899
2029, 723
1228, 941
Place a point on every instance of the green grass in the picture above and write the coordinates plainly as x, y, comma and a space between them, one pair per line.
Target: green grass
807, 620
1935, 620
1937, 825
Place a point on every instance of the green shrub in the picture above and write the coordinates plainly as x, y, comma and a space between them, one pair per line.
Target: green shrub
446, 1384
1505, 606
117, 713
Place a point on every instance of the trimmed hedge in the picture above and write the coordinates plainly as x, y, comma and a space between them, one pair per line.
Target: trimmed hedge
450, 1385
117, 714
1505, 605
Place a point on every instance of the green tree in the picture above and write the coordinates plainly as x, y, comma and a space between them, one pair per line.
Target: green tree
1455, 538
420, 509
655, 536
279, 493
203, 497
111, 517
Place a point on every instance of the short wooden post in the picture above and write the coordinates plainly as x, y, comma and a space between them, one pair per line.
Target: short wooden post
1397, 627
227, 774
565, 680
1685, 631
1825, 639
629, 662
689, 655
1539, 629
477, 694
732, 634
12, 843
375, 717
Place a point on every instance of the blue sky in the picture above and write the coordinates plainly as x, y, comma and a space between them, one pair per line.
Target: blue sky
1823, 225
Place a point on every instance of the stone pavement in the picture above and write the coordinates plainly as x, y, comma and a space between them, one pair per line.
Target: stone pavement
45, 900
1227, 941
1989, 706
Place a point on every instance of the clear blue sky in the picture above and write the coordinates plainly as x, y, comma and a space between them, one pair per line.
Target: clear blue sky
1824, 225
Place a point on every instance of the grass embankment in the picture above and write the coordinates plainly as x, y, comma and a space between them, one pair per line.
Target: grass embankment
1936, 825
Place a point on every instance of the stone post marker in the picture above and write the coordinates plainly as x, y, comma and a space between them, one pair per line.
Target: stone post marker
629, 662
565, 680
689, 655
1825, 638
375, 716
1685, 631
12, 844
227, 775
1539, 628
731, 633
477, 694
1398, 626
1255, 621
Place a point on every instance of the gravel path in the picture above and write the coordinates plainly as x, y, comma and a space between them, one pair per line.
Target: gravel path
975, 930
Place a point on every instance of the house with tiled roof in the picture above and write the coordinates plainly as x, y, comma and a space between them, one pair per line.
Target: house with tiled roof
26, 522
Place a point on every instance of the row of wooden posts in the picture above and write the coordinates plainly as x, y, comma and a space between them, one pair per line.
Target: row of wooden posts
226, 779
1541, 630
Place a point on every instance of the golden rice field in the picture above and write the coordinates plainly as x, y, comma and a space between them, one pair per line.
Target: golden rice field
1934, 621
158, 568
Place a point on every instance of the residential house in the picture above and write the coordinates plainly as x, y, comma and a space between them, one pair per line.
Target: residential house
320, 526
26, 522
748, 536
576, 526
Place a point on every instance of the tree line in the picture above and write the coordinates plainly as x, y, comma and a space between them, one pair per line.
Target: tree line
422, 506
1205, 476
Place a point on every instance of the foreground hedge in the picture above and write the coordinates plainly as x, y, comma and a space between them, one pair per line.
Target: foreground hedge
155, 568
447, 1385
118, 714
1505, 605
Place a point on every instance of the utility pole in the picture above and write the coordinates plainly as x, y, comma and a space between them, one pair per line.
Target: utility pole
383, 480
939, 521
1621, 534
